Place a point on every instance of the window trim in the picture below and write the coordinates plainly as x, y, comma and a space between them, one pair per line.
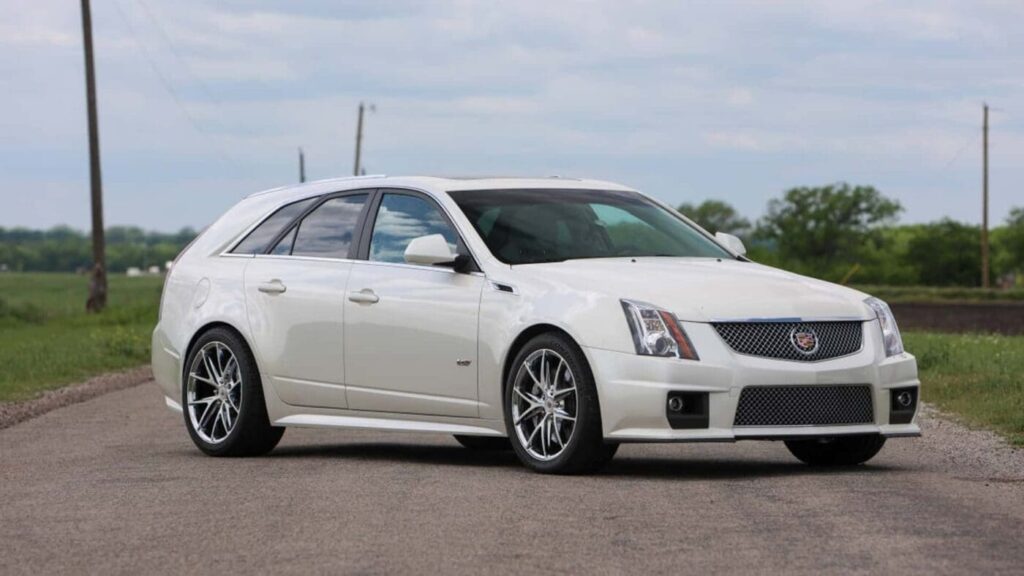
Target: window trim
230, 250
297, 222
366, 234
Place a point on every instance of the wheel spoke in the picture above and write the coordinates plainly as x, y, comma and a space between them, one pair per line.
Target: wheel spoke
226, 418
544, 435
211, 409
533, 400
202, 379
532, 376
558, 434
202, 401
563, 415
210, 370
529, 411
564, 391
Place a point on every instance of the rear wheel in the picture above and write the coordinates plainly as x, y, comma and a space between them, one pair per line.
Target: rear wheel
225, 413
484, 443
552, 411
841, 451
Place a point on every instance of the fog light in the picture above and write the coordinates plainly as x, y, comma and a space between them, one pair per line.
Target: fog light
903, 405
676, 404
687, 410
905, 399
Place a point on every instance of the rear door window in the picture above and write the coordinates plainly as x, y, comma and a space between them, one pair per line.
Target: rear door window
328, 231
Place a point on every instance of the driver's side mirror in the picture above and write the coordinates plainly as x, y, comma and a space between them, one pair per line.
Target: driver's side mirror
429, 251
731, 242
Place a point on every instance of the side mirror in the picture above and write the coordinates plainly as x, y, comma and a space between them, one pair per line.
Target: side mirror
731, 242
429, 250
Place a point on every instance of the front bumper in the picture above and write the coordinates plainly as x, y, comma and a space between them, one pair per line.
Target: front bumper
633, 389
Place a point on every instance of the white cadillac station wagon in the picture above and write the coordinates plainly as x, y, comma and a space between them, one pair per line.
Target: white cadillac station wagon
554, 317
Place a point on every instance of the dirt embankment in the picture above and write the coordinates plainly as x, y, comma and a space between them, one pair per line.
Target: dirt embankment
998, 317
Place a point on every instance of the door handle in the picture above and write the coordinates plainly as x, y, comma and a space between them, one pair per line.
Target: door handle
364, 296
275, 286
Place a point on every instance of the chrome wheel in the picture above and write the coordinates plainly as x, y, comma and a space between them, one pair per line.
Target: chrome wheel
544, 404
214, 392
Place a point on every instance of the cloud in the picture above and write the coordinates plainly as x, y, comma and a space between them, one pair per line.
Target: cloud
201, 103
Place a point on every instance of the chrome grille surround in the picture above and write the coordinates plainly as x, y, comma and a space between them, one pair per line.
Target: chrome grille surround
829, 405
771, 339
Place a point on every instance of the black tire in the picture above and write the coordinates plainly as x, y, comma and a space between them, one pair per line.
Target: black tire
585, 451
252, 434
484, 443
841, 451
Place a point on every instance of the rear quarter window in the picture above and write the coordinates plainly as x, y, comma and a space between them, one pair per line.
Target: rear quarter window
257, 240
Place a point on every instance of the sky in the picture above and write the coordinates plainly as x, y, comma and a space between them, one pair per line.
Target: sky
202, 103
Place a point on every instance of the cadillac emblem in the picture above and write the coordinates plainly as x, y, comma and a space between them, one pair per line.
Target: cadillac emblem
804, 339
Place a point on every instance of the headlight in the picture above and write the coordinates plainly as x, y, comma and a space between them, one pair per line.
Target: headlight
657, 332
890, 332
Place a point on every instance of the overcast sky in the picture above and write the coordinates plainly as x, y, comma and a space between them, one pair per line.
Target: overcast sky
202, 103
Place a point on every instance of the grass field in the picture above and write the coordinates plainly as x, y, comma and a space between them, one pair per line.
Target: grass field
47, 340
978, 377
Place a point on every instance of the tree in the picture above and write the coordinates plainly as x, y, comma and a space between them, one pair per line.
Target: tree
827, 226
1011, 241
946, 253
716, 216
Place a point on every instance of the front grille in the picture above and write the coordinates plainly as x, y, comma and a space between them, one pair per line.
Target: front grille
804, 406
780, 339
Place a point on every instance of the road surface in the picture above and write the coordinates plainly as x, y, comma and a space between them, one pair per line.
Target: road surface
114, 485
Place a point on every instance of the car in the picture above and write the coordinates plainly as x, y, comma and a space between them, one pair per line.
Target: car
554, 317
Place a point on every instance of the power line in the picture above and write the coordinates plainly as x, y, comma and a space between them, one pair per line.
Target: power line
177, 55
165, 82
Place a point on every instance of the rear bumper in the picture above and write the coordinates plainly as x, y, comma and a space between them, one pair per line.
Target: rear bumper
633, 390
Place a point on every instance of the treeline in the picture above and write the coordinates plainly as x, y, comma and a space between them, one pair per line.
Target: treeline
838, 232
843, 232
64, 249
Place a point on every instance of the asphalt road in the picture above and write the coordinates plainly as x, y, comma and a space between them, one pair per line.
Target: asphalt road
114, 485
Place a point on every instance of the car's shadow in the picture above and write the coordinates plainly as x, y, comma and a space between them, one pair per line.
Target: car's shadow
685, 467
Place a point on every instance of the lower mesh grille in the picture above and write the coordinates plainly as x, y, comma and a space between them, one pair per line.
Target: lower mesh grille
805, 406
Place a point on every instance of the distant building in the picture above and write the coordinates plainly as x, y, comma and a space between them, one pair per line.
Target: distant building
133, 272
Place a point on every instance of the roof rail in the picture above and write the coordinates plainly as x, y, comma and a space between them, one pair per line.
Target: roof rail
321, 181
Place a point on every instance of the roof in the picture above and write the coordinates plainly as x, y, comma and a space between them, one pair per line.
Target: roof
440, 184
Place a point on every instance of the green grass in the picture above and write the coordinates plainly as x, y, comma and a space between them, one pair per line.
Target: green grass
978, 377
47, 340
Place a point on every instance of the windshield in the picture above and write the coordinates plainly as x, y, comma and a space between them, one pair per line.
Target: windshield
533, 226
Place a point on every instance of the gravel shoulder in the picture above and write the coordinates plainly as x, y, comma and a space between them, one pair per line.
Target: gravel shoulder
113, 484
12, 413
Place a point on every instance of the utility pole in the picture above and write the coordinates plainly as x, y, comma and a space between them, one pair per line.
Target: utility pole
984, 200
302, 166
359, 140
358, 169
98, 283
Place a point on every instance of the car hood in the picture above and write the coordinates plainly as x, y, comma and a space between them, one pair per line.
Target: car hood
705, 289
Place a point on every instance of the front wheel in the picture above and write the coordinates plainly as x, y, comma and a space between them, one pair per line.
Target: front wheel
225, 413
551, 409
841, 451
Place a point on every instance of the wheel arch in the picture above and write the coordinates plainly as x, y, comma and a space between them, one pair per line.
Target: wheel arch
199, 332
529, 333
